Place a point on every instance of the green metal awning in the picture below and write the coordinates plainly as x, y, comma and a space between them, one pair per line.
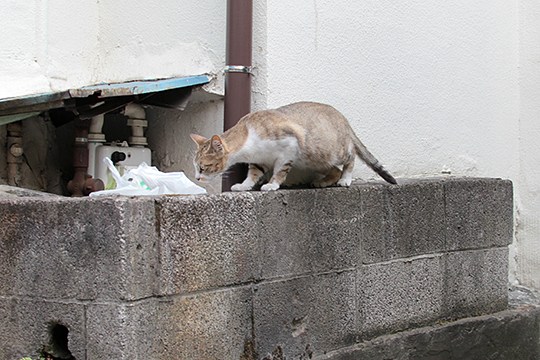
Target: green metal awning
160, 92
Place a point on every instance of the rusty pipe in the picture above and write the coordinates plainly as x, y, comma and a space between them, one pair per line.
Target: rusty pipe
82, 184
237, 74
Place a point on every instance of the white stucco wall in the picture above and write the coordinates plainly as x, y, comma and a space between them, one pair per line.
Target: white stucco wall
528, 181
52, 45
155, 39
46, 45
429, 86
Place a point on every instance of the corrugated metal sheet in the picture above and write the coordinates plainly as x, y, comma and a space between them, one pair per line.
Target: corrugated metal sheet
30, 104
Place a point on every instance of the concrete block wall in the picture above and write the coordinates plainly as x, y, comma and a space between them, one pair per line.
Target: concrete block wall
295, 273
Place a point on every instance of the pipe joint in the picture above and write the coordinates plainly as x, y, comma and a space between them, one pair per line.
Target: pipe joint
134, 111
16, 150
239, 69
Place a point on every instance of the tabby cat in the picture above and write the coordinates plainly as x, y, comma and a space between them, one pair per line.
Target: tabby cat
305, 142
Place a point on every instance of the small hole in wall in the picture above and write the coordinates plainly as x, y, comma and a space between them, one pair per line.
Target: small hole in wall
58, 343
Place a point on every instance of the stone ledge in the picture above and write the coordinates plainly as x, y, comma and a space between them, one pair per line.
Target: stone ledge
296, 232
507, 335
175, 245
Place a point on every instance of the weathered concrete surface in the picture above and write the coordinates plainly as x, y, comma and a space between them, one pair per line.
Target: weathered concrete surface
212, 325
398, 295
306, 314
306, 231
25, 326
507, 335
16, 192
429, 216
294, 273
431, 288
206, 242
478, 214
87, 249
475, 282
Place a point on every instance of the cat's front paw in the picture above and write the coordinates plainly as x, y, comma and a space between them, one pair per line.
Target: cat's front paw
240, 187
269, 187
344, 182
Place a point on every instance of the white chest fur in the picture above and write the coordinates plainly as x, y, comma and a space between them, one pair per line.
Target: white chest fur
259, 150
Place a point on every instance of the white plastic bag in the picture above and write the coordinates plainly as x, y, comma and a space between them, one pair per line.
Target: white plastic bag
148, 180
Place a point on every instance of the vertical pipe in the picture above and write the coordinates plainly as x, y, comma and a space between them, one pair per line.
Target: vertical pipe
80, 158
237, 73
82, 184
14, 153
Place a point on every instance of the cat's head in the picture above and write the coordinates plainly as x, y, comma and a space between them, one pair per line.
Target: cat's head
211, 157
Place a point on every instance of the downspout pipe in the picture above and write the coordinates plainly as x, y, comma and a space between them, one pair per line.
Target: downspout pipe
237, 74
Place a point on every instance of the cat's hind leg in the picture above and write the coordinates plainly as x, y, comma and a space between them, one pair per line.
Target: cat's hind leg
255, 172
346, 174
329, 179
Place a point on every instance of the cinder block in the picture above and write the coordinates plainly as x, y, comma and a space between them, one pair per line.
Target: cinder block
286, 228
210, 326
479, 213
303, 231
475, 282
206, 241
78, 249
306, 316
337, 229
399, 294
377, 239
26, 326
123, 331
138, 244
402, 221
206, 326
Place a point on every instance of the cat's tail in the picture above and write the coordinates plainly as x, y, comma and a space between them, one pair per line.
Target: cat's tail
372, 162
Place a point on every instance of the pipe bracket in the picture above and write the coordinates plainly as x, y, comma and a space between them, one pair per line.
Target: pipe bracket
238, 69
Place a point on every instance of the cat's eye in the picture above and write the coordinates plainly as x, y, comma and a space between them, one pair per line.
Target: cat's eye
206, 167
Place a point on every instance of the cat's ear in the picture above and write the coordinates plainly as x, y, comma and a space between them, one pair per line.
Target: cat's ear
198, 139
217, 144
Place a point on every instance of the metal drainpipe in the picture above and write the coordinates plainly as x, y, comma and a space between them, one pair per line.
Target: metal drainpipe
237, 74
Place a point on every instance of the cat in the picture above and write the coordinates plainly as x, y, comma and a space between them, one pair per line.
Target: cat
312, 139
